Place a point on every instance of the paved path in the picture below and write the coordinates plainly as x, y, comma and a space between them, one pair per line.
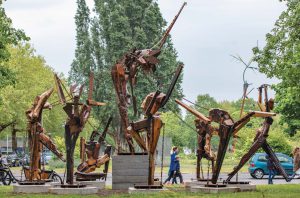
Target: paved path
242, 177
189, 177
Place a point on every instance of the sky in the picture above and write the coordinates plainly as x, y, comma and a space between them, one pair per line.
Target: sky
206, 34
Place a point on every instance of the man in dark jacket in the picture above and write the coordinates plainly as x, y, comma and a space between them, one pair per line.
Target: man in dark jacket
271, 168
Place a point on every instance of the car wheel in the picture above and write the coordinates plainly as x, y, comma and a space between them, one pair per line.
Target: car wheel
252, 175
258, 174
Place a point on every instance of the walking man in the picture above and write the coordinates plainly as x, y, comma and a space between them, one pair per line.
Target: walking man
271, 168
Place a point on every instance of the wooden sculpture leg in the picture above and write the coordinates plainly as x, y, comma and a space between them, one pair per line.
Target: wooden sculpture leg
199, 158
200, 153
277, 164
106, 165
155, 132
255, 146
35, 158
70, 141
225, 134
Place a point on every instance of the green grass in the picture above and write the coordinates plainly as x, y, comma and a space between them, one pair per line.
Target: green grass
268, 191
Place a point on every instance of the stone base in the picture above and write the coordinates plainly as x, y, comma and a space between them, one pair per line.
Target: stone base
132, 190
128, 170
98, 184
77, 191
53, 184
243, 187
31, 189
189, 184
213, 190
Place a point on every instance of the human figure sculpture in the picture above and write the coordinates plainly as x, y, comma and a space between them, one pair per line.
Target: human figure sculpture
89, 155
260, 140
124, 72
226, 129
37, 137
78, 114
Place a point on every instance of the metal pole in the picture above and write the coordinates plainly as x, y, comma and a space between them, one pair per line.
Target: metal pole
6, 144
208, 167
162, 154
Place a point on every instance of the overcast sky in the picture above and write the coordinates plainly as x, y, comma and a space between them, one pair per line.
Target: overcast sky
205, 35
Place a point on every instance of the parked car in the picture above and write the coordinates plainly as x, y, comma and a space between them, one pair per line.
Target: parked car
46, 157
13, 160
258, 164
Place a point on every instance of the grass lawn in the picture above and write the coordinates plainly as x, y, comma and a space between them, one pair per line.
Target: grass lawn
272, 191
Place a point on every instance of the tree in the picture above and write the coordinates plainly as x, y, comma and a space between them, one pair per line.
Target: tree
83, 62
8, 36
280, 58
33, 77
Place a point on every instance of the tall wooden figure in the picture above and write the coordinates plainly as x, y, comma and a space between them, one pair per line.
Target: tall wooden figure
78, 114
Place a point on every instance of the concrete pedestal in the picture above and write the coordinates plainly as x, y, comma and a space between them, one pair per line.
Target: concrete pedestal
132, 190
77, 191
243, 187
53, 184
128, 170
98, 184
31, 189
191, 183
213, 190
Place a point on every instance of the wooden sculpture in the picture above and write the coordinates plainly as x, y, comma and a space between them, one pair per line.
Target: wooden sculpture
78, 114
152, 123
260, 140
37, 137
227, 127
205, 132
89, 155
124, 72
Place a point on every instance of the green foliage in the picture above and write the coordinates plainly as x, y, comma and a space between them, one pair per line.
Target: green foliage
8, 36
280, 58
60, 143
175, 129
33, 77
82, 64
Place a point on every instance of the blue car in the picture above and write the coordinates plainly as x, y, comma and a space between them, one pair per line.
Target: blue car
258, 164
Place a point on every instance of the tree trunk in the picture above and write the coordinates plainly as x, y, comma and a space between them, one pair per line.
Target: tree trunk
14, 142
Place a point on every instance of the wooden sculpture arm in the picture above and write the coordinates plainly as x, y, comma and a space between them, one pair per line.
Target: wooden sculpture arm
82, 149
39, 104
193, 111
137, 138
91, 164
245, 119
263, 114
47, 142
91, 102
259, 100
59, 90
